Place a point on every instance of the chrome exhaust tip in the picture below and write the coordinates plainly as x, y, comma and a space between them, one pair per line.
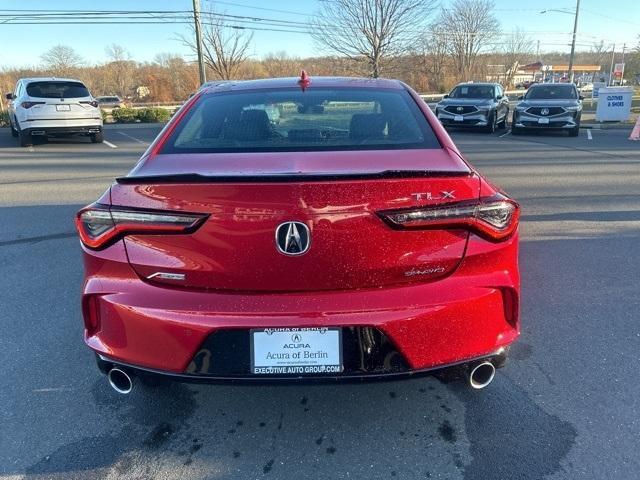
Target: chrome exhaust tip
482, 375
120, 381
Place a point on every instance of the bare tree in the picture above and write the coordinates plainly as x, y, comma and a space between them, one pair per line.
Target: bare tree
516, 46
121, 70
225, 47
469, 26
61, 60
373, 31
433, 54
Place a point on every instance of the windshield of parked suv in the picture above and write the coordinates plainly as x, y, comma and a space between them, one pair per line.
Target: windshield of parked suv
52, 89
293, 120
552, 92
472, 91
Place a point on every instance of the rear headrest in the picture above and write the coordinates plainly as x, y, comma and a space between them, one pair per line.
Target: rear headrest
367, 125
253, 125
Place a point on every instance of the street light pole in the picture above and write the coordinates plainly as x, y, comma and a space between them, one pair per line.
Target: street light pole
196, 19
573, 42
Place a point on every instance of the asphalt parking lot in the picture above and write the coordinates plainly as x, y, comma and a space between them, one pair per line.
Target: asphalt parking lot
565, 407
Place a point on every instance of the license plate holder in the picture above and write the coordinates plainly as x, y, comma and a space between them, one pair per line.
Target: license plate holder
543, 121
296, 351
63, 108
458, 118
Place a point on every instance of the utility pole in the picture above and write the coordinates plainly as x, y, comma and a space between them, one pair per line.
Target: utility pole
196, 19
573, 42
624, 46
613, 56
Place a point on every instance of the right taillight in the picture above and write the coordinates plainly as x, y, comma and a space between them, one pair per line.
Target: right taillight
494, 218
101, 225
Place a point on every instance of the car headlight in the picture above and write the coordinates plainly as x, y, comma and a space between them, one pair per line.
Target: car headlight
521, 109
572, 109
484, 108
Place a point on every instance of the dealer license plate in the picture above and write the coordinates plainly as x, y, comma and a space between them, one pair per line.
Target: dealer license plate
543, 121
296, 351
458, 118
63, 108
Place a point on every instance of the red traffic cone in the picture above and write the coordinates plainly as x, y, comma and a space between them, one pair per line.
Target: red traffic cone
635, 133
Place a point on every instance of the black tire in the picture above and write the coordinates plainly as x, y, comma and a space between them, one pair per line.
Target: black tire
14, 132
575, 131
97, 137
24, 139
491, 127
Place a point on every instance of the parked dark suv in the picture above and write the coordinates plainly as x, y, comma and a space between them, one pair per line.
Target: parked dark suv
549, 106
481, 105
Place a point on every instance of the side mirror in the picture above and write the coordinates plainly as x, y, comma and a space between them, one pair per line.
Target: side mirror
499, 97
580, 97
445, 96
521, 97
10, 96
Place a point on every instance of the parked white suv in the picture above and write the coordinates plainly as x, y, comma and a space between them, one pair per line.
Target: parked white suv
42, 107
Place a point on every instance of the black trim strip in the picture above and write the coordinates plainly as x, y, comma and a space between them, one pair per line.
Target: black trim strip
287, 177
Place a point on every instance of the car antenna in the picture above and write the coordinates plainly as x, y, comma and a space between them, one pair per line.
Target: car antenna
304, 81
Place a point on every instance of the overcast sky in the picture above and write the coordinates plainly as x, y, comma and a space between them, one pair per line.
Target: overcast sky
613, 21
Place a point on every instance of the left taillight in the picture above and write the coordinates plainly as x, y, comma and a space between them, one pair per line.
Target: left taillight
30, 104
101, 225
494, 218
93, 103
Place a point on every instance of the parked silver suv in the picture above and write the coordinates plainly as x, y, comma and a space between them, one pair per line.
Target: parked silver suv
549, 106
475, 105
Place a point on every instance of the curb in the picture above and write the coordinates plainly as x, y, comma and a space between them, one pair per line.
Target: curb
597, 126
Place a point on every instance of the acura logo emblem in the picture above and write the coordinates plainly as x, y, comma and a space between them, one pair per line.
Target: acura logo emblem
292, 238
544, 111
460, 109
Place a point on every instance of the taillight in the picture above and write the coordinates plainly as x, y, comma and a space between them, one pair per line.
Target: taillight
101, 225
30, 104
494, 218
93, 103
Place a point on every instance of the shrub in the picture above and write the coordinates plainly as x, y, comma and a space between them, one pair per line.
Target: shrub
154, 115
4, 119
124, 115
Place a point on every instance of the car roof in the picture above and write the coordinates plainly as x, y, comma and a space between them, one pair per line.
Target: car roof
480, 84
316, 82
49, 79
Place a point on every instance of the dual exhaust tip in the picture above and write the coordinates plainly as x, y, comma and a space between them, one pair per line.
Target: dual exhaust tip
480, 376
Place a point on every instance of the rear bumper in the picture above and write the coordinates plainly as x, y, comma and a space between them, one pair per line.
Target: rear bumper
469, 315
62, 127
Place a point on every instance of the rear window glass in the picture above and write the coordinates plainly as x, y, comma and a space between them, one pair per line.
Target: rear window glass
473, 91
51, 89
293, 120
552, 92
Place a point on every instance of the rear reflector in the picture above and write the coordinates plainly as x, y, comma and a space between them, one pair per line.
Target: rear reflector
494, 218
101, 225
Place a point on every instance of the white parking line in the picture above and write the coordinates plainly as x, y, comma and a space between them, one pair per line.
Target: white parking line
505, 134
589, 135
133, 138
109, 144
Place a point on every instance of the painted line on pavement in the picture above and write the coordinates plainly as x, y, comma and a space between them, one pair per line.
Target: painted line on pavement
133, 138
109, 144
589, 135
505, 134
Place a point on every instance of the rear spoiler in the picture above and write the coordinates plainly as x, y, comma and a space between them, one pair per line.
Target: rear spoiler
287, 177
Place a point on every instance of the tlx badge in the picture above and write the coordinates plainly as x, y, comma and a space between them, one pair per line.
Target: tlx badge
444, 195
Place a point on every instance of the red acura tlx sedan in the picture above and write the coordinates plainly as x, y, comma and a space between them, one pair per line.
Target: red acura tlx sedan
300, 228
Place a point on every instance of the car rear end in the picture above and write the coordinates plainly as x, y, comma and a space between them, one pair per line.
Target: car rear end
350, 240
58, 107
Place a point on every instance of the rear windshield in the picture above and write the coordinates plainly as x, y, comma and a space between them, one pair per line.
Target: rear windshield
552, 92
52, 89
473, 91
293, 120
